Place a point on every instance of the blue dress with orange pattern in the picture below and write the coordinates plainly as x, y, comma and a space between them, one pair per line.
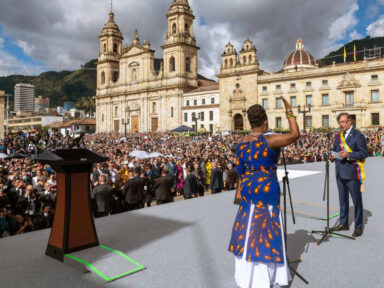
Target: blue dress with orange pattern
256, 164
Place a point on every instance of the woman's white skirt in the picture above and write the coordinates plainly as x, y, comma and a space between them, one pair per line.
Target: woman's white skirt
258, 274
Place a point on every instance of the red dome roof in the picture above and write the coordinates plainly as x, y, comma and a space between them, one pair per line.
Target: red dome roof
300, 57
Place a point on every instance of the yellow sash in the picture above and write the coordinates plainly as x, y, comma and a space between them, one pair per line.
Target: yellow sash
359, 164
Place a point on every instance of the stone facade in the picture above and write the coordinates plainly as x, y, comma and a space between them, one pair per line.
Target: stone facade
355, 88
134, 94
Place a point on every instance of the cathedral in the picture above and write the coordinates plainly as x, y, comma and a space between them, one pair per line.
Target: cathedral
135, 91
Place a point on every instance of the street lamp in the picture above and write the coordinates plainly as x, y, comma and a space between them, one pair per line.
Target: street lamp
195, 119
125, 122
304, 110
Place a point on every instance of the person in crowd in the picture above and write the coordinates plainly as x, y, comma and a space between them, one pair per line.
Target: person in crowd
163, 187
216, 182
190, 185
102, 194
232, 177
260, 263
179, 178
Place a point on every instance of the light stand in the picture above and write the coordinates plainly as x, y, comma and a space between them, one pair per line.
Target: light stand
285, 189
328, 230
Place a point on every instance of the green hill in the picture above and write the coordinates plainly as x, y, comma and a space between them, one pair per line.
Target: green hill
57, 86
338, 55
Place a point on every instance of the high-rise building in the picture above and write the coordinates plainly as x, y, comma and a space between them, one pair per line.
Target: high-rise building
24, 98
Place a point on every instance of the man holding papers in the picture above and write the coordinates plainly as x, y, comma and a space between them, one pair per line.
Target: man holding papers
349, 152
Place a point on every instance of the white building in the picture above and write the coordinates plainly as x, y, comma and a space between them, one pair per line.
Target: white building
202, 103
24, 98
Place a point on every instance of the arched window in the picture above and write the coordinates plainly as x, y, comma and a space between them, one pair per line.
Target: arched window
105, 47
116, 110
115, 48
250, 59
134, 75
171, 112
188, 64
115, 76
186, 29
244, 60
231, 62
172, 64
174, 28
226, 63
153, 107
102, 77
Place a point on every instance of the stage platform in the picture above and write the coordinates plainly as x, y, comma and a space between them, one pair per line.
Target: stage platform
184, 244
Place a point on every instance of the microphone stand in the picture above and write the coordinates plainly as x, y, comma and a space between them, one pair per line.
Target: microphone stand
285, 189
328, 231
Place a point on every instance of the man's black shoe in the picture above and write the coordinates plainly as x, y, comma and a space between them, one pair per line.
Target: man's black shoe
358, 232
340, 227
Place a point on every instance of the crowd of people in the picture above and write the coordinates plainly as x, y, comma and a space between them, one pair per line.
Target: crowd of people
189, 166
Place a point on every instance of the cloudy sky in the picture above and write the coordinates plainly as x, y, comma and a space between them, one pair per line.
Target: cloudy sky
42, 35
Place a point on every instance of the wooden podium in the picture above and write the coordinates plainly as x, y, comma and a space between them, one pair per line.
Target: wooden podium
73, 227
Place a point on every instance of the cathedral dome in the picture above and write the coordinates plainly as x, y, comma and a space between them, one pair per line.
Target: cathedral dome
111, 27
299, 59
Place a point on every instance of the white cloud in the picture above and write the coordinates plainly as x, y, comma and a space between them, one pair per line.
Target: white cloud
343, 24
376, 29
354, 35
64, 34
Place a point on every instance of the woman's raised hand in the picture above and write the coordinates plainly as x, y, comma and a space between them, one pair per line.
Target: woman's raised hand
286, 103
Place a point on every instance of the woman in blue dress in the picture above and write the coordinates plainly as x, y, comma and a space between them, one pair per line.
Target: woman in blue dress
257, 238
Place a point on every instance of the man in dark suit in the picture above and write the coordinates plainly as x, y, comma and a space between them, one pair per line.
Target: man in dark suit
190, 185
232, 177
346, 172
102, 193
216, 184
163, 187
131, 192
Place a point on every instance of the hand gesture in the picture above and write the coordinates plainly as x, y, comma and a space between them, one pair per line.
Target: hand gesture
286, 103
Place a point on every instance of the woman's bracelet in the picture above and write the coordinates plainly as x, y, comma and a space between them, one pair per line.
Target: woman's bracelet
289, 113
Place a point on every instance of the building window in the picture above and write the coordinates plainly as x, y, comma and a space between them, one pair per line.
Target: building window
308, 84
102, 117
325, 120
116, 110
293, 101
225, 63
153, 107
278, 122
308, 100
171, 112
211, 128
231, 62
250, 59
375, 96
375, 118
278, 87
172, 64
212, 100
374, 77
265, 88
185, 117
115, 76
187, 103
174, 28
134, 77
325, 82
102, 77
188, 64
308, 121
203, 101
202, 116
105, 47
115, 48
202, 126
186, 28
244, 60
293, 85
193, 127
279, 103
325, 99
195, 102
193, 116
349, 97
210, 115
265, 104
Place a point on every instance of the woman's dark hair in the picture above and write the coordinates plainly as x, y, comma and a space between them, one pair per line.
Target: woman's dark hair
256, 115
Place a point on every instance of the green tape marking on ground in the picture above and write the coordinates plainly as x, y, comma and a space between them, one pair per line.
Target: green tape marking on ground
109, 279
332, 216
